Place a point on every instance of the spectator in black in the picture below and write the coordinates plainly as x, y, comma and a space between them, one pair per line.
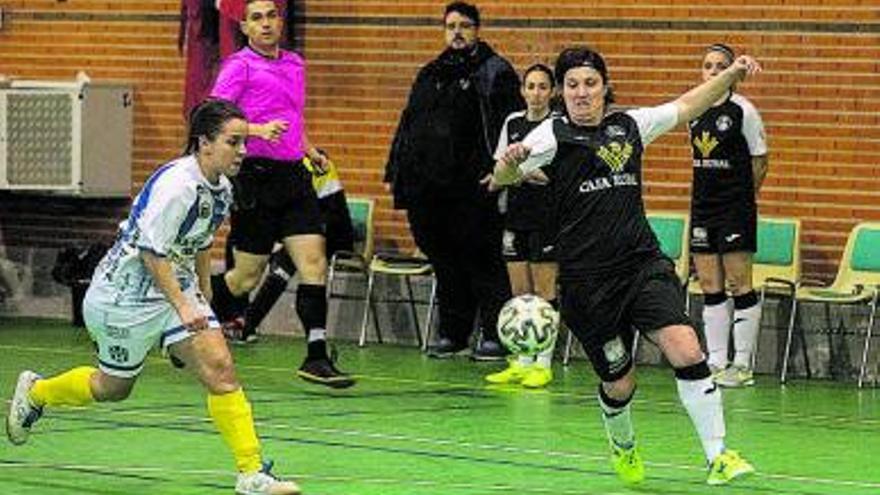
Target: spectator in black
442, 150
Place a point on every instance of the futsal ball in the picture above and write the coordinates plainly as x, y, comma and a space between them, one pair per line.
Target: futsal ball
528, 324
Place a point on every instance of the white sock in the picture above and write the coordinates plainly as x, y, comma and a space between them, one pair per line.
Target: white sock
702, 400
716, 319
525, 360
746, 323
545, 358
317, 334
618, 423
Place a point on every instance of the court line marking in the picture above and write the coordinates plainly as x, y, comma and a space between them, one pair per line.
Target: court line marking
300, 477
812, 419
478, 446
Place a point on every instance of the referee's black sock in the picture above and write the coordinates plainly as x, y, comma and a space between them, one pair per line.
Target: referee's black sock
225, 304
311, 306
269, 292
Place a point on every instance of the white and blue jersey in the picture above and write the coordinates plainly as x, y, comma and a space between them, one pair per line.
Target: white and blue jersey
173, 217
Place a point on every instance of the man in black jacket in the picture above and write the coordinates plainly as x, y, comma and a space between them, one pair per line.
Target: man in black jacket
442, 150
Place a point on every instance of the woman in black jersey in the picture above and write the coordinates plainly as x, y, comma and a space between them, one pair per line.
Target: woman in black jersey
612, 274
730, 162
527, 242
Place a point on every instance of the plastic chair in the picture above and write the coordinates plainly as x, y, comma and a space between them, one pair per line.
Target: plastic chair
776, 266
857, 282
671, 229
396, 265
353, 262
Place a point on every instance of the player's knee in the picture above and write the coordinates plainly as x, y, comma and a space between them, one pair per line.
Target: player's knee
621, 389
739, 284
219, 375
314, 267
242, 281
115, 392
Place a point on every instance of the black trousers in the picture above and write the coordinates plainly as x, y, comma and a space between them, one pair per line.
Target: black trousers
462, 240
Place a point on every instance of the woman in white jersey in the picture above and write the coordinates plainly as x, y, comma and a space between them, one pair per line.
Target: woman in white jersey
527, 244
153, 287
730, 162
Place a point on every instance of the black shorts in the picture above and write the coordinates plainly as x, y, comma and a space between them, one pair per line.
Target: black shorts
604, 314
533, 246
726, 235
273, 200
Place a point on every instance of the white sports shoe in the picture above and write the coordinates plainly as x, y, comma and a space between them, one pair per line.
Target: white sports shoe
22, 413
263, 482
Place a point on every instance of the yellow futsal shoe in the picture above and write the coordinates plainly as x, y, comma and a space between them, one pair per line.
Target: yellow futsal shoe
537, 376
514, 373
726, 467
628, 464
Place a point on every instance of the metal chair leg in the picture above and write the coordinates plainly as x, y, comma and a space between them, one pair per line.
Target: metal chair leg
413, 309
566, 355
868, 332
368, 304
787, 351
431, 308
758, 336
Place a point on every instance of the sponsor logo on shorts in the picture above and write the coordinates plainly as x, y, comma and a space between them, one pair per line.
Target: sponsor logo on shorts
615, 354
118, 354
732, 237
117, 333
699, 236
508, 246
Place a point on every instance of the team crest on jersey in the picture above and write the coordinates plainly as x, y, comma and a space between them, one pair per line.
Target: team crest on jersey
705, 143
204, 210
723, 122
615, 155
615, 131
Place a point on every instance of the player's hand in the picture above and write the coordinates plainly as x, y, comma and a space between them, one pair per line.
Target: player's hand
515, 154
536, 177
273, 130
191, 318
320, 160
746, 66
489, 182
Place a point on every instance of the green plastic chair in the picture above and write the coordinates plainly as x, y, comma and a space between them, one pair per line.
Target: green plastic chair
857, 282
671, 229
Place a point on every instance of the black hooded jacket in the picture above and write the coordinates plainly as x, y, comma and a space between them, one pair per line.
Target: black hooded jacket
449, 129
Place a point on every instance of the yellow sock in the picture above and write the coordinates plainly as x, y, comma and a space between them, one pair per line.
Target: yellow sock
72, 388
233, 417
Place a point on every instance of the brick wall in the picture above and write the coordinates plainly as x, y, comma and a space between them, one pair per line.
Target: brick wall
819, 94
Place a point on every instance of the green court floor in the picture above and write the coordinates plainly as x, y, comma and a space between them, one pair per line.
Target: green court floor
414, 426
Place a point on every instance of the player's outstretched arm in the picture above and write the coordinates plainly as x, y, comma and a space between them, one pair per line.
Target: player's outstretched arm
696, 101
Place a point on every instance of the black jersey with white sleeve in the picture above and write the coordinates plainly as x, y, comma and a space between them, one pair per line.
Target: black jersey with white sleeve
595, 176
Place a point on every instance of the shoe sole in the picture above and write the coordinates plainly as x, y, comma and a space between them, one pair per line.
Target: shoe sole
737, 475
487, 359
449, 355
327, 382
18, 383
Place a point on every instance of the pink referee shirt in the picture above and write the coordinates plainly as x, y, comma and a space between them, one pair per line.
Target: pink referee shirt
267, 89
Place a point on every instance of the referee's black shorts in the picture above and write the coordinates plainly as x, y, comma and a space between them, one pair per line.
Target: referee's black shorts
604, 313
273, 200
